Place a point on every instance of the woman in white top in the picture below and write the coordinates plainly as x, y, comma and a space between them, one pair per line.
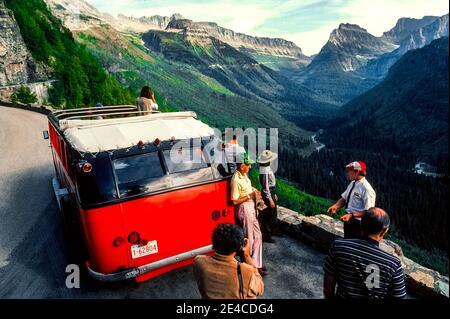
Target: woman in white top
146, 101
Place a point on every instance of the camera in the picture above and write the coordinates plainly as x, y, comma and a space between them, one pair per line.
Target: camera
240, 252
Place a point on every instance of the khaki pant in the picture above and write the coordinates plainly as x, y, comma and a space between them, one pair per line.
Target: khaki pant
246, 217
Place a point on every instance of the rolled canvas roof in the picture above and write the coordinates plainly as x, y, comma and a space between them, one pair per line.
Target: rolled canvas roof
104, 135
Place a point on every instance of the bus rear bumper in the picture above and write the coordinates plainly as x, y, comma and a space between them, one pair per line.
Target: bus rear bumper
138, 271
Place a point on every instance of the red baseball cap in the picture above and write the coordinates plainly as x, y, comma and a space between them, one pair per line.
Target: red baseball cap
357, 166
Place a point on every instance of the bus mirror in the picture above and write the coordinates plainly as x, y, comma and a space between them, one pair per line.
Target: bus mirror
45, 133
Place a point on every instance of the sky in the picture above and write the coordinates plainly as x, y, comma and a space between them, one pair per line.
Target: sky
308, 23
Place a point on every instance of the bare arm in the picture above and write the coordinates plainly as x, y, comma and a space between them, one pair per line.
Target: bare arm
358, 214
329, 286
332, 209
240, 200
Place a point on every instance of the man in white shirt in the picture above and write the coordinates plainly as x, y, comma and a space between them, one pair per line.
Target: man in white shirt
358, 197
233, 151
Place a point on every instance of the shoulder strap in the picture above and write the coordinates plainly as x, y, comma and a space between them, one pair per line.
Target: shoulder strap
241, 282
349, 195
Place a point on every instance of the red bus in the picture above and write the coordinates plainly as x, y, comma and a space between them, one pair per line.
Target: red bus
139, 213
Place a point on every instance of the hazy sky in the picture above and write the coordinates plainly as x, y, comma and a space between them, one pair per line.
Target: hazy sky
308, 23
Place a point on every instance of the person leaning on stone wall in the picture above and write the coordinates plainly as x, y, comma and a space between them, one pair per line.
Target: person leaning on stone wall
268, 216
358, 197
357, 268
243, 196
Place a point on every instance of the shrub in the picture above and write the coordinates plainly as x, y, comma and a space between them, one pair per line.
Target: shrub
24, 95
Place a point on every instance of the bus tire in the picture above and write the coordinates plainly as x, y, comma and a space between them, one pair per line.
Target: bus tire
72, 232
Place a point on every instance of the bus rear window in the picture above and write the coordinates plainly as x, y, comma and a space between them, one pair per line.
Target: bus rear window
140, 174
187, 166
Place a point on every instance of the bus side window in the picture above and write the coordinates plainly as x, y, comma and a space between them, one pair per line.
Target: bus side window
187, 166
218, 160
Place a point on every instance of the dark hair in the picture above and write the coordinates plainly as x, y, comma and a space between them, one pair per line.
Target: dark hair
227, 239
374, 221
146, 92
361, 173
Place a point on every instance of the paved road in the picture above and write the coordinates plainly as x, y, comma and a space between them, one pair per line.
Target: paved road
33, 253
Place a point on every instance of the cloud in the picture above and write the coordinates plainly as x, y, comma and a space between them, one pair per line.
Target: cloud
308, 23
381, 15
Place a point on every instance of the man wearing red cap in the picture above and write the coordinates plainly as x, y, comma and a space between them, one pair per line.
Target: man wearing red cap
358, 197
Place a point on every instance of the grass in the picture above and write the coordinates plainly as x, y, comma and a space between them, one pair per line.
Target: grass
86, 38
214, 85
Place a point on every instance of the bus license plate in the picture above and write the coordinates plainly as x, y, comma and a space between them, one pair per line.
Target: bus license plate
138, 251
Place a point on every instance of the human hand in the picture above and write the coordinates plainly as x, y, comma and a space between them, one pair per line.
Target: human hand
346, 217
246, 249
332, 209
272, 204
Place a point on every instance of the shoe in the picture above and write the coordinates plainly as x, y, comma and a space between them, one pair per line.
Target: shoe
262, 272
277, 232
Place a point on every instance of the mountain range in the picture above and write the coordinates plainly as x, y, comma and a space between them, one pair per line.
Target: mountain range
79, 15
407, 113
353, 60
220, 73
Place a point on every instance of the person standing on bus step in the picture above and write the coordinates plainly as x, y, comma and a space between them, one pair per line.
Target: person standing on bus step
99, 105
358, 197
146, 101
268, 217
232, 151
221, 276
243, 196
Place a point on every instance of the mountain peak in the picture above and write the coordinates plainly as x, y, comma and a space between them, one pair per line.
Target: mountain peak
176, 16
351, 27
405, 26
347, 32
180, 24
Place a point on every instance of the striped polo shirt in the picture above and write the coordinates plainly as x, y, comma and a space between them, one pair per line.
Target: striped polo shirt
363, 270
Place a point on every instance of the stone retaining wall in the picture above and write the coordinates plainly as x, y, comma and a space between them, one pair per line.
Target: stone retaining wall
321, 230
39, 109
39, 88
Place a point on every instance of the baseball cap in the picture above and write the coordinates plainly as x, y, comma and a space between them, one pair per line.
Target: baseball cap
357, 166
243, 158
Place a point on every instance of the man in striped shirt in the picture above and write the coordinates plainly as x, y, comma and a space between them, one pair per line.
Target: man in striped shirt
358, 266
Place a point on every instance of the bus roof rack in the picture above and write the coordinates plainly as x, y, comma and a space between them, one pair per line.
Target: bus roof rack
83, 121
121, 133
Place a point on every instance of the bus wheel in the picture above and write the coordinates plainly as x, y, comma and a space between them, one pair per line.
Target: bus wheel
72, 233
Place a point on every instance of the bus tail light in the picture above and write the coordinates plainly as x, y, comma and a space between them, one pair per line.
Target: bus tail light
225, 213
84, 166
134, 238
215, 215
87, 167
118, 241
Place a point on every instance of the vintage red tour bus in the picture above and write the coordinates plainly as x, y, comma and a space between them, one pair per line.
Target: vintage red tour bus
139, 212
